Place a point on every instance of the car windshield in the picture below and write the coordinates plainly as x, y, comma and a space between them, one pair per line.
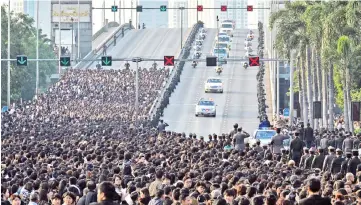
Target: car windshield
221, 45
220, 51
223, 39
214, 81
227, 26
206, 103
265, 134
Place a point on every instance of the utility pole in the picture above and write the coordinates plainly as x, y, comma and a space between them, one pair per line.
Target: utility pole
59, 35
37, 50
181, 10
217, 39
78, 38
9, 94
291, 88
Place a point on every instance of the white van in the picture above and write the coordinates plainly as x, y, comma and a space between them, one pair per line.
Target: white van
227, 27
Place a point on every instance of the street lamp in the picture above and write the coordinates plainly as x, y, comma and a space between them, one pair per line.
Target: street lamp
217, 40
72, 36
181, 10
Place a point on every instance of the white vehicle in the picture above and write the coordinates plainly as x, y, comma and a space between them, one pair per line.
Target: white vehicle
223, 45
249, 54
265, 135
227, 27
213, 85
206, 107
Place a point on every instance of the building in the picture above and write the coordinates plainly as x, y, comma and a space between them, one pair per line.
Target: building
240, 16
178, 17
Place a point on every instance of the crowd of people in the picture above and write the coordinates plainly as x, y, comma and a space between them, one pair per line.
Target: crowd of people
78, 144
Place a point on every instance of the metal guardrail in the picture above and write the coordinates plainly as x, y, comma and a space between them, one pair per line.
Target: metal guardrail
92, 55
187, 45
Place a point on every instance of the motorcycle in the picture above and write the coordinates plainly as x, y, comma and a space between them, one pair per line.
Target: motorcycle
245, 66
194, 64
219, 70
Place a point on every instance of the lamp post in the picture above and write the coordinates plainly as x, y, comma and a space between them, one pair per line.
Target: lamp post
181, 10
8, 88
72, 36
217, 40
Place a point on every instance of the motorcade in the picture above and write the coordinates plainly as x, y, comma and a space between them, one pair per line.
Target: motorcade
206, 107
213, 84
223, 45
249, 54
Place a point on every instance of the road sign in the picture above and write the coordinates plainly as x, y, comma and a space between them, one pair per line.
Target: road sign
211, 61
168, 60
139, 8
253, 61
114, 8
21, 60
64, 60
286, 112
223, 8
163, 8
249, 8
106, 61
200, 8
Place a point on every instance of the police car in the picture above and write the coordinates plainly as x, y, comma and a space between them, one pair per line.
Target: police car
206, 107
213, 85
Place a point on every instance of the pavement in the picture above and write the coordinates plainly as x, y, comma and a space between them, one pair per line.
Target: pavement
267, 85
101, 39
237, 103
146, 43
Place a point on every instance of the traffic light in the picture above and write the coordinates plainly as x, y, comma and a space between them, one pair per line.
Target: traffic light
223, 8
139, 8
211, 61
106, 61
253, 61
21, 60
249, 8
64, 60
114, 8
355, 111
168, 60
163, 8
317, 110
200, 8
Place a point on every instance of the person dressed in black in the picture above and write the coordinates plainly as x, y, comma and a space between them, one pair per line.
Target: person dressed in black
106, 194
314, 197
162, 125
319, 159
345, 162
347, 144
336, 162
306, 154
296, 147
309, 160
309, 138
353, 163
104, 50
328, 159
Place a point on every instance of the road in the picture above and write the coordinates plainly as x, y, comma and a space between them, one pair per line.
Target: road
237, 104
146, 43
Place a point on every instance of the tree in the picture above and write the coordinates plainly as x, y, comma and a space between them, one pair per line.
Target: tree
23, 42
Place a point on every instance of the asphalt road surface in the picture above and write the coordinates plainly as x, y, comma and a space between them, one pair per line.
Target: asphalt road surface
237, 103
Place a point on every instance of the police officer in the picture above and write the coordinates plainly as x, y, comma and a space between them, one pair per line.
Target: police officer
302, 132
309, 160
345, 162
319, 159
347, 144
309, 138
328, 159
306, 154
238, 140
234, 131
296, 147
339, 141
356, 141
337, 162
353, 163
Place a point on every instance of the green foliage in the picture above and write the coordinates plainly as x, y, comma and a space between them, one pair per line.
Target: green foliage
337, 79
23, 42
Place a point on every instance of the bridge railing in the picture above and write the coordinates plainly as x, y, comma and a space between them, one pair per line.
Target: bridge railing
92, 55
173, 79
